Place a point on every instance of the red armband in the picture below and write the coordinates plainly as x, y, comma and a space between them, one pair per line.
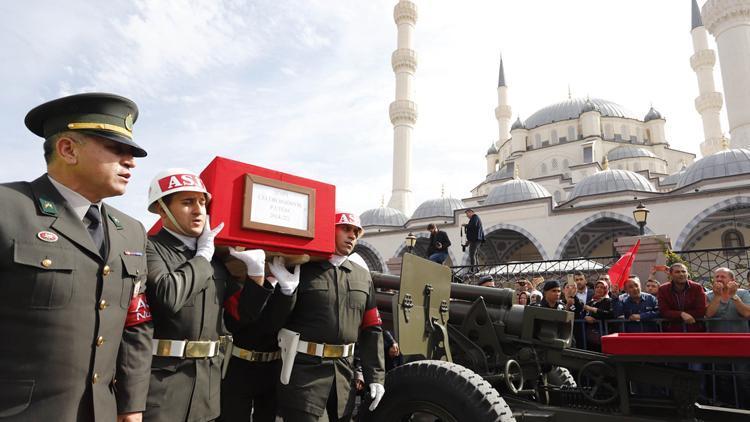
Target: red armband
138, 311
371, 318
232, 305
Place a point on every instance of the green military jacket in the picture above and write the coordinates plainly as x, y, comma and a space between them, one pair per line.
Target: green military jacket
186, 293
330, 304
66, 354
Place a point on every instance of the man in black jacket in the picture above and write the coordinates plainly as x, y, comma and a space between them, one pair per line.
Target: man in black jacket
474, 235
437, 251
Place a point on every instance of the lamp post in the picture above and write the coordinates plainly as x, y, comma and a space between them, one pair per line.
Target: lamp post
411, 240
640, 214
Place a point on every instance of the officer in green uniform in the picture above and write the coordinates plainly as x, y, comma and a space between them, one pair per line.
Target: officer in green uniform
187, 287
335, 307
75, 325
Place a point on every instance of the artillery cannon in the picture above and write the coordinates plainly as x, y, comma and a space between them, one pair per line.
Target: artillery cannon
473, 356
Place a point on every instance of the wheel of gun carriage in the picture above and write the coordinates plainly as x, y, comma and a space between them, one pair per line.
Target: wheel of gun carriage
432, 390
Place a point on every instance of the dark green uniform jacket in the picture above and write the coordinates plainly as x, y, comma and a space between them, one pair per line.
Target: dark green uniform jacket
186, 293
63, 311
330, 306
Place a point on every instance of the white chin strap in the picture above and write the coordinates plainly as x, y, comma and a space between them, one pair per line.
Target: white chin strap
172, 219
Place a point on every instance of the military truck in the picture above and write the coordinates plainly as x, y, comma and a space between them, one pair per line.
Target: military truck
475, 356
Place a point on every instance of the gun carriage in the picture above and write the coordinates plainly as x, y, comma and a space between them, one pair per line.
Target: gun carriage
474, 356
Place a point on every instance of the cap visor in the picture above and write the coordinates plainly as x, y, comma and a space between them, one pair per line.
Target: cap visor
137, 150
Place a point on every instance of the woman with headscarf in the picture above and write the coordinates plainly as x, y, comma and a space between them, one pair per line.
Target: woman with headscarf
598, 309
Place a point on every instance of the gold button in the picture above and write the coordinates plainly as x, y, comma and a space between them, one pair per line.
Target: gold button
46, 262
103, 304
99, 341
95, 378
106, 270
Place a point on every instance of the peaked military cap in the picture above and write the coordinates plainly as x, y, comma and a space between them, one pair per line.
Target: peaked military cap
107, 115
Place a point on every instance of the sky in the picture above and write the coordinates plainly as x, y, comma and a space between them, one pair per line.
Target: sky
303, 86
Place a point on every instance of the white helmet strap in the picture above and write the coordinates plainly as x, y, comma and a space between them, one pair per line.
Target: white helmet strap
172, 219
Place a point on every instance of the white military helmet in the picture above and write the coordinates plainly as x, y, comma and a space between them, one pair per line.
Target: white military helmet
171, 181
343, 217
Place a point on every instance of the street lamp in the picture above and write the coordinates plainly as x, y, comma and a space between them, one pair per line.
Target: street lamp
640, 214
411, 240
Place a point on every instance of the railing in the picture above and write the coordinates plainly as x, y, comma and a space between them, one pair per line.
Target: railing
702, 262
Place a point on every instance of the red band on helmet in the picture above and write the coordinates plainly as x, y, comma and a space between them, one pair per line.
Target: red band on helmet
138, 311
174, 181
371, 318
232, 305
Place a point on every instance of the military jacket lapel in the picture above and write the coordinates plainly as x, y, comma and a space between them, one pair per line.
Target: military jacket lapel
66, 222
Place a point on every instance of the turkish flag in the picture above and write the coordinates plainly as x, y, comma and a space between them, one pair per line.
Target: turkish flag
619, 273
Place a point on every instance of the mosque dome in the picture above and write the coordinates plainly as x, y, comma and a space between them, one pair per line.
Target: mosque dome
383, 216
518, 124
516, 190
729, 162
492, 150
503, 173
572, 108
627, 151
607, 181
440, 207
589, 106
652, 115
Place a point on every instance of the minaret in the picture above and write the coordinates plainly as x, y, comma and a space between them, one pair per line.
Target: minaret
502, 112
729, 22
709, 102
403, 111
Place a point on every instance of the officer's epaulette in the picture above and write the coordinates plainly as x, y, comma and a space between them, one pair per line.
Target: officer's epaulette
47, 207
115, 221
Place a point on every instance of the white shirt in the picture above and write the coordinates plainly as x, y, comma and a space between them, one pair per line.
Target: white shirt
582, 296
337, 260
75, 200
190, 242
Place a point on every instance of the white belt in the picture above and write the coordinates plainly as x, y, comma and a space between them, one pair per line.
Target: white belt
325, 350
185, 348
253, 356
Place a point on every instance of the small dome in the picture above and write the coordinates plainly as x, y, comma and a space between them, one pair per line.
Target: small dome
652, 115
492, 150
589, 106
518, 124
503, 173
611, 181
440, 207
571, 109
516, 190
623, 152
383, 216
729, 162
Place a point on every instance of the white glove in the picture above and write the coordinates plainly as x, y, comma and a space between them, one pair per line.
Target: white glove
376, 393
205, 247
254, 260
287, 281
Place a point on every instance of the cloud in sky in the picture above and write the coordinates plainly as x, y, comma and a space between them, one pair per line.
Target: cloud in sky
303, 86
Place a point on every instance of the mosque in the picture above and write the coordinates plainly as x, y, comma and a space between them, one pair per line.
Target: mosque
563, 183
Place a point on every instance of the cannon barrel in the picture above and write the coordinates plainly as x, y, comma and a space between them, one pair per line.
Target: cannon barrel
491, 295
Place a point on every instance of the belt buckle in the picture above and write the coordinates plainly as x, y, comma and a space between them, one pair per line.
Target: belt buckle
163, 347
224, 342
198, 349
333, 351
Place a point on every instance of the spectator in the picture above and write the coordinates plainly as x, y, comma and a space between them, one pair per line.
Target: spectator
535, 297
474, 235
572, 302
437, 251
682, 301
551, 296
598, 309
486, 281
524, 285
638, 308
523, 298
652, 286
731, 306
583, 292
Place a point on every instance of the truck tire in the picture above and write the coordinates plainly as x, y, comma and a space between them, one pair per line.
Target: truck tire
561, 377
433, 390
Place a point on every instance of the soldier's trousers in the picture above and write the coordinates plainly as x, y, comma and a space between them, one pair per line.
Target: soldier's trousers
294, 415
249, 388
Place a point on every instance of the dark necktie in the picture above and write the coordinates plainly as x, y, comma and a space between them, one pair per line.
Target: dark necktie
96, 230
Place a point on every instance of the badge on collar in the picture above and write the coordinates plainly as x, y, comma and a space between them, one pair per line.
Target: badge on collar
46, 236
115, 221
47, 207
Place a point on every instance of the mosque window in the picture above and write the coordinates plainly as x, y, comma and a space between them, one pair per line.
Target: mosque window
554, 164
639, 134
625, 130
537, 141
544, 169
608, 131
571, 133
566, 164
732, 238
618, 137
553, 136
545, 143
588, 154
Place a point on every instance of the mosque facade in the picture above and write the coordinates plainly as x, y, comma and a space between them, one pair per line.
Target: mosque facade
563, 182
